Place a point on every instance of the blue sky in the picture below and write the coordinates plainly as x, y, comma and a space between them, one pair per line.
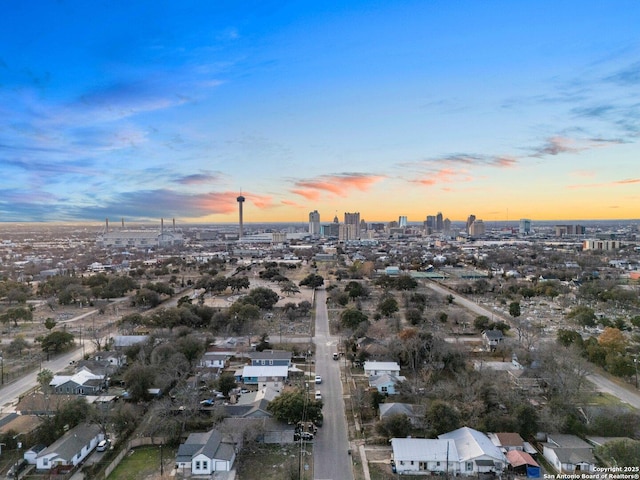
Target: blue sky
146, 110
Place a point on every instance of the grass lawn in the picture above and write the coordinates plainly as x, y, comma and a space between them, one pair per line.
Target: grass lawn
274, 462
144, 464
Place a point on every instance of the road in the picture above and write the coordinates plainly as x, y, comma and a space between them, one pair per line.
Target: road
10, 393
330, 451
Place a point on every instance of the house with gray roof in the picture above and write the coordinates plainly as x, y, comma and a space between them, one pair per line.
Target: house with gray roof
385, 383
70, 449
205, 453
476, 451
271, 358
415, 413
83, 382
568, 453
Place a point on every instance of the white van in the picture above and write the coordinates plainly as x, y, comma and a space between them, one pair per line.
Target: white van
102, 446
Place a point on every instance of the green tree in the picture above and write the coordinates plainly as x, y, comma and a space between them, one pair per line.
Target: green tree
387, 306
481, 323
262, 297
352, 317
583, 315
569, 337
406, 282
226, 383
312, 280
139, 379
56, 342
395, 426
514, 309
442, 417
355, 289
44, 378
294, 406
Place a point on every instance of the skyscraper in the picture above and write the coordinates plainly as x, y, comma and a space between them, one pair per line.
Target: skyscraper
470, 219
314, 223
402, 221
352, 226
439, 222
240, 200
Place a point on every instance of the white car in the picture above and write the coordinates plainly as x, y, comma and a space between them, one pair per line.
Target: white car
318, 379
318, 395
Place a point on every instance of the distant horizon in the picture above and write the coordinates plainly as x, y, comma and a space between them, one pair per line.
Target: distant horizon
168, 223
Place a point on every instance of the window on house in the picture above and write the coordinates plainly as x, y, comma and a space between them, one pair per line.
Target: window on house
270, 362
205, 465
437, 464
197, 464
384, 389
469, 466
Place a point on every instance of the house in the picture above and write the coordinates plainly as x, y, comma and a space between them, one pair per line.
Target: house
213, 360
32, 454
379, 368
205, 453
507, 441
70, 449
476, 452
492, 339
267, 376
414, 456
415, 413
568, 453
253, 405
271, 358
521, 463
122, 342
83, 382
385, 383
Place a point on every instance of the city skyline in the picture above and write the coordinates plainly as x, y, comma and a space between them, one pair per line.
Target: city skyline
175, 110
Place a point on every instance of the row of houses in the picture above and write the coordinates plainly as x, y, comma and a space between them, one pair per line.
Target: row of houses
469, 452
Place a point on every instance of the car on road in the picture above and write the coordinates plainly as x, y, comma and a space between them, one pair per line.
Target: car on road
335, 356
304, 436
318, 379
318, 395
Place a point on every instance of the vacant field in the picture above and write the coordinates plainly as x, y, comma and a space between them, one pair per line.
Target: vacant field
144, 464
275, 462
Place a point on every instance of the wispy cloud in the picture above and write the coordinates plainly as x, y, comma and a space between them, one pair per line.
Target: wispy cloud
339, 185
627, 181
199, 179
630, 75
558, 145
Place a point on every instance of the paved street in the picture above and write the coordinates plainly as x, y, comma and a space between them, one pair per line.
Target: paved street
330, 452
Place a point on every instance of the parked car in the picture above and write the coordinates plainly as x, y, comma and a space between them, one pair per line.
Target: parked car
318, 395
335, 356
318, 379
103, 445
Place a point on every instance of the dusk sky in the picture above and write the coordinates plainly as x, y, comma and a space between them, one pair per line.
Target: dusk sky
169, 109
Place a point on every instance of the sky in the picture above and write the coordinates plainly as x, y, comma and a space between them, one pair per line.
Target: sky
171, 109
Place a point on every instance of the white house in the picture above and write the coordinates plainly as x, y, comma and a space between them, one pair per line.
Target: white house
205, 453
380, 368
568, 453
214, 360
70, 449
267, 376
476, 452
425, 456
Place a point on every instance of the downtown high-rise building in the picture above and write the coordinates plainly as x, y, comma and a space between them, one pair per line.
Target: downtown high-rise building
439, 222
314, 223
470, 219
524, 227
351, 227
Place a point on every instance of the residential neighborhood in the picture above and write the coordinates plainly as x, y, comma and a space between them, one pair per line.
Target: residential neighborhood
494, 360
